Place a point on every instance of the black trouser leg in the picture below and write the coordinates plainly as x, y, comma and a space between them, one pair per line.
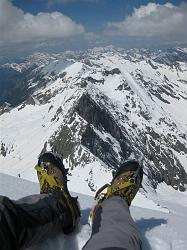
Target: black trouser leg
30, 220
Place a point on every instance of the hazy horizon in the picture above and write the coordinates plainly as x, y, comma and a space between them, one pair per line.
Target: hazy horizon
57, 25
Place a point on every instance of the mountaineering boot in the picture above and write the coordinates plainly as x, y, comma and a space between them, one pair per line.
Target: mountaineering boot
52, 177
125, 183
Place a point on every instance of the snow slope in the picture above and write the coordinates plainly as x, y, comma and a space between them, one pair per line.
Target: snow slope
162, 227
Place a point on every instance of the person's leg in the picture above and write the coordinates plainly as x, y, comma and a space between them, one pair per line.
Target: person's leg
113, 227
32, 219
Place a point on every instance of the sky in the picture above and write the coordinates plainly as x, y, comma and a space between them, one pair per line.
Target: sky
58, 25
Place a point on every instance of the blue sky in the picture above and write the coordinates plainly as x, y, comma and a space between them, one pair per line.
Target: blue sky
74, 24
93, 14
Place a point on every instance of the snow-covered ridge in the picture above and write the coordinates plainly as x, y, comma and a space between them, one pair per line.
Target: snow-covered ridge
100, 108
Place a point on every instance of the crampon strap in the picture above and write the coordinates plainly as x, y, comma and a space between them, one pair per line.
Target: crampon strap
44, 176
111, 190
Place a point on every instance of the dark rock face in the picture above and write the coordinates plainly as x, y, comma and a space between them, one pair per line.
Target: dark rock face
100, 148
152, 65
62, 75
167, 167
102, 120
112, 72
56, 116
62, 141
123, 86
3, 151
94, 81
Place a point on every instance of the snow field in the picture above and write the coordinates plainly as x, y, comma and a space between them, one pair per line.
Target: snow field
161, 228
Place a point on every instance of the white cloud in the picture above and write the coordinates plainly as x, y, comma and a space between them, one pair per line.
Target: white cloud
153, 20
16, 26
